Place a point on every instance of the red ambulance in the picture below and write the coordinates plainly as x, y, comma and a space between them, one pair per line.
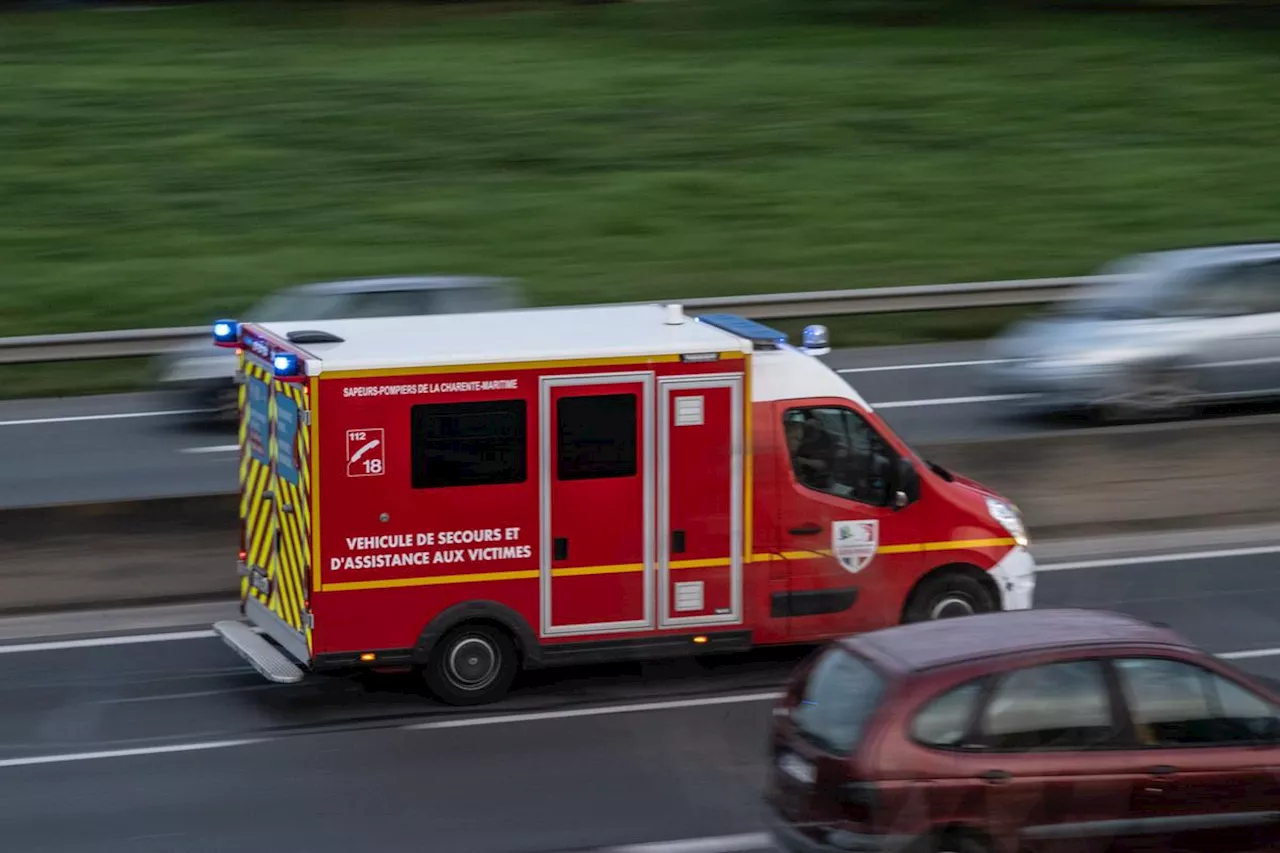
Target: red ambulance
469, 495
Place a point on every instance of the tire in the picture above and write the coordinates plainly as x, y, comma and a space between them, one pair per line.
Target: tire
472, 665
947, 596
959, 843
1151, 393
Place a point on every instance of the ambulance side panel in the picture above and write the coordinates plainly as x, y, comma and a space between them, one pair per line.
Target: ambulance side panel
405, 528
631, 526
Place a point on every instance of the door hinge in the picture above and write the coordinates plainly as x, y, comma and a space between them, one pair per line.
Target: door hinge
308, 620
305, 417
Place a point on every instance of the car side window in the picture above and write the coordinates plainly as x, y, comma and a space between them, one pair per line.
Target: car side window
1053, 706
834, 450
944, 721
1228, 291
391, 303
1174, 703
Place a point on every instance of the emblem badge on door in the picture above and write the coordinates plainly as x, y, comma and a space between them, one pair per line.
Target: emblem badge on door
854, 543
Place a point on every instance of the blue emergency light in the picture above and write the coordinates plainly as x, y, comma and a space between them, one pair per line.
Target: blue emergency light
226, 333
815, 340
764, 337
285, 365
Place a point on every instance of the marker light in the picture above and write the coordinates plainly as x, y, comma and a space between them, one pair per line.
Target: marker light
226, 333
285, 364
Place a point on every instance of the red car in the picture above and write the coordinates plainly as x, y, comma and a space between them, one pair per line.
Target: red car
1041, 730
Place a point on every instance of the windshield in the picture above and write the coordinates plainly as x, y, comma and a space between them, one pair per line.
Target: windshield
839, 698
283, 307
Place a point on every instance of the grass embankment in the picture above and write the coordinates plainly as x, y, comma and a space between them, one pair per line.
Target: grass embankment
165, 168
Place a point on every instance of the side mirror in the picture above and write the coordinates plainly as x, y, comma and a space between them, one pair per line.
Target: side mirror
906, 483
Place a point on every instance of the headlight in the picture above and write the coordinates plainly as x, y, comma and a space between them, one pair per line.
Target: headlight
1009, 519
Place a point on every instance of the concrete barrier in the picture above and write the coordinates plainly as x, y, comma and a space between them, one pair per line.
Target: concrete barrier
1201, 474
1071, 483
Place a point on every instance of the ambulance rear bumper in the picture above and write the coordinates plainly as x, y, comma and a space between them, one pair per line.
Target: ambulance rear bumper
263, 655
278, 653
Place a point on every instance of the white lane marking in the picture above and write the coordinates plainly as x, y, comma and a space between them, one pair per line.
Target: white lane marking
96, 642
930, 366
213, 448
503, 719
126, 753
1158, 558
745, 843
947, 401
195, 694
66, 419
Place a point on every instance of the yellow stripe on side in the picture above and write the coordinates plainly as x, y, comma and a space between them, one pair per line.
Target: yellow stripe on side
628, 568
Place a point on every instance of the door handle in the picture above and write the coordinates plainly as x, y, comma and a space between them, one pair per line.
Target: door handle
807, 530
1162, 770
995, 776
560, 548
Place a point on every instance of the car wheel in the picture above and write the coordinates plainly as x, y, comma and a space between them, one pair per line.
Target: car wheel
949, 596
472, 665
1154, 392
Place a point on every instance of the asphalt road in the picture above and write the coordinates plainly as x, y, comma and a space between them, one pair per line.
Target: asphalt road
131, 446
608, 756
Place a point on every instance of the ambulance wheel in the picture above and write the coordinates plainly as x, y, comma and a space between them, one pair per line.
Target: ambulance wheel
471, 665
949, 595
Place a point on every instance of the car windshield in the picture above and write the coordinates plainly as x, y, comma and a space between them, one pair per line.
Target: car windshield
839, 698
1140, 283
299, 305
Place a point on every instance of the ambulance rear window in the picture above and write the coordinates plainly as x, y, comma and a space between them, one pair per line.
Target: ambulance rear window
469, 444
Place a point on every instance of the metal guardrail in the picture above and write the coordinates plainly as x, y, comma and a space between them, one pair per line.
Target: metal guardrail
133, 343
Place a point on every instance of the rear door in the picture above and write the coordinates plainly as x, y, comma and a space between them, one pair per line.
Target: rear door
1210, 780
597, 447
291, 505
257, 515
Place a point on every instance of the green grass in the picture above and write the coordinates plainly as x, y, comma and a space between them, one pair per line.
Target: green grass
168, 167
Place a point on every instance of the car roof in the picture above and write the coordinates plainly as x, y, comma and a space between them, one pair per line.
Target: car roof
1206, 256
379, 283
946, 642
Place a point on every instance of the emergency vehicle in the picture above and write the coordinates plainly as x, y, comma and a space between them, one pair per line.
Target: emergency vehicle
472, 494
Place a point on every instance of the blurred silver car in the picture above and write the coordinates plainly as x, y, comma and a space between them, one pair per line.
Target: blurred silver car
204, 374
1171, 332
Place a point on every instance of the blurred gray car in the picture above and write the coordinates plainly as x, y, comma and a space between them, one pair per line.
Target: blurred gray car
1170, 332
205, 375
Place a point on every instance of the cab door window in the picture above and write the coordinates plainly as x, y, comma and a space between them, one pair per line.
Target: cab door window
834, 450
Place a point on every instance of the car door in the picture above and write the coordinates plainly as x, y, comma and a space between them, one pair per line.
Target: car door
1045, 768
1207, 758
1225, 326
844, 547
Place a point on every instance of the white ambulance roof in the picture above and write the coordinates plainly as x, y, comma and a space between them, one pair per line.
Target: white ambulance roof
556, 334
533, 334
